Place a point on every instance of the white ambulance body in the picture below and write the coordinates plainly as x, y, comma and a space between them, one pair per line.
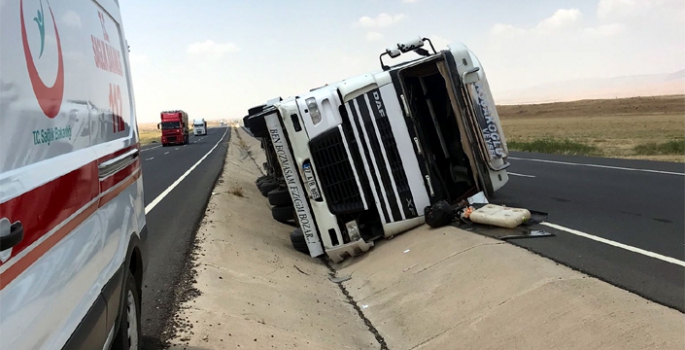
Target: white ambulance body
72, 216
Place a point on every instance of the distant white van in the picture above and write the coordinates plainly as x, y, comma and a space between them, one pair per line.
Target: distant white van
199, 127
72, 216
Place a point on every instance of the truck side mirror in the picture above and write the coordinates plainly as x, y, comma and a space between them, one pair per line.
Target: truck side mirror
159, 126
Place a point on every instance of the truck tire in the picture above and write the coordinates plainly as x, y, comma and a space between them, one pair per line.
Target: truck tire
298, 241
266, 187
283, 214
257, 126
280, 196
263, 179
129, 335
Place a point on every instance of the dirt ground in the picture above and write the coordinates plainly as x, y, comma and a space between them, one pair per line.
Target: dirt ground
613, 125
425, 289
254, 290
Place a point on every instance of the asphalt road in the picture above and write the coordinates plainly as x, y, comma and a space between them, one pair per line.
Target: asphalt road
640, 204
173, 218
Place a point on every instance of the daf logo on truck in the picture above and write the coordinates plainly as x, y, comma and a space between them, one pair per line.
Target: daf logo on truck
49, 98
379, 103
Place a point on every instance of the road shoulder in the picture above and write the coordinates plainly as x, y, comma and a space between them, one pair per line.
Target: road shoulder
255, 291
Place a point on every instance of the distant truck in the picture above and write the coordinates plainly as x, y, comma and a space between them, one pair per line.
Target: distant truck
174, 126
199, 127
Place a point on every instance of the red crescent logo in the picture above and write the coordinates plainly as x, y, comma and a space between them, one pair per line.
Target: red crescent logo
49, 98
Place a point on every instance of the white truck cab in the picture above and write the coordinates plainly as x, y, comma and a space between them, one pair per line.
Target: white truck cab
364, 157
199, 127
72, 217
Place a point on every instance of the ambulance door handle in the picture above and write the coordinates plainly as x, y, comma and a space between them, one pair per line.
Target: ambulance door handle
10, 235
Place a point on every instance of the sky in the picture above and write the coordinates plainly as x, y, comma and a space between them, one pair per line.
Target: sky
217, 58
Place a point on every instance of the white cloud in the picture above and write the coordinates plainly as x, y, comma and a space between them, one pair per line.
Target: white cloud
565, 47
562, 18
410, 1
374, 36
383, 20
209, 47
72, 19
605, 30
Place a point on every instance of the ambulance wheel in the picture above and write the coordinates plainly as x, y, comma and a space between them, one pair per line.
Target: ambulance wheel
298, 241
280, 197
129, 334
283, 214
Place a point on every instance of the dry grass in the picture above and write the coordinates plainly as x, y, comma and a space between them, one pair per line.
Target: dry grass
237, 191
616, 128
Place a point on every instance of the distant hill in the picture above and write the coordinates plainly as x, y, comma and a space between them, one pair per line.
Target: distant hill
601, 88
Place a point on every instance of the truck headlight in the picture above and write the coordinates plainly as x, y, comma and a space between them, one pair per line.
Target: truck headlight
353, 231
314, 112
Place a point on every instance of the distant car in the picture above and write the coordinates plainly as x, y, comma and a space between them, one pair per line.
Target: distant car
72, 216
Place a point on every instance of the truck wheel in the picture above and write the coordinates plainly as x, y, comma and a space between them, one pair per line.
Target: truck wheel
266, 187
129, 335
257, 126
298, 241
264, 178
283, 214
279, 196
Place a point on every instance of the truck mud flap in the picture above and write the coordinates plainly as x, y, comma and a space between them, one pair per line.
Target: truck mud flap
294, 184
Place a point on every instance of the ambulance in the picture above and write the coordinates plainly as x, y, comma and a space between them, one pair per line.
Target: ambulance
72, 216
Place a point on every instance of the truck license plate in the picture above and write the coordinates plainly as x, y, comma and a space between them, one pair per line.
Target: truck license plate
311, 181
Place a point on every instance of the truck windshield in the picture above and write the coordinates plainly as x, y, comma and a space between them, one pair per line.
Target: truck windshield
170, 125
200, 125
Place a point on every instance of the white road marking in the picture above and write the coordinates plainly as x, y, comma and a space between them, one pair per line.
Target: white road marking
166, 152
151, 158
159, 198
147, 149
599, 166
667, 259
516, 174
176, 149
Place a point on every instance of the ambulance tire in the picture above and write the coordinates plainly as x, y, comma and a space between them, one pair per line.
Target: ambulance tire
283, 214
298, 241
129, 317
280, 196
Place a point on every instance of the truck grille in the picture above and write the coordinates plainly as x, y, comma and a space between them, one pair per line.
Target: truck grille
337, 179
388, 140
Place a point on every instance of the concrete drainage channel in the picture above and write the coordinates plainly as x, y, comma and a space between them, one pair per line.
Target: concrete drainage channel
351, 301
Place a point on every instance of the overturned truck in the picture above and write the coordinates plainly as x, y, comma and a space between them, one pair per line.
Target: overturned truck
360, 159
